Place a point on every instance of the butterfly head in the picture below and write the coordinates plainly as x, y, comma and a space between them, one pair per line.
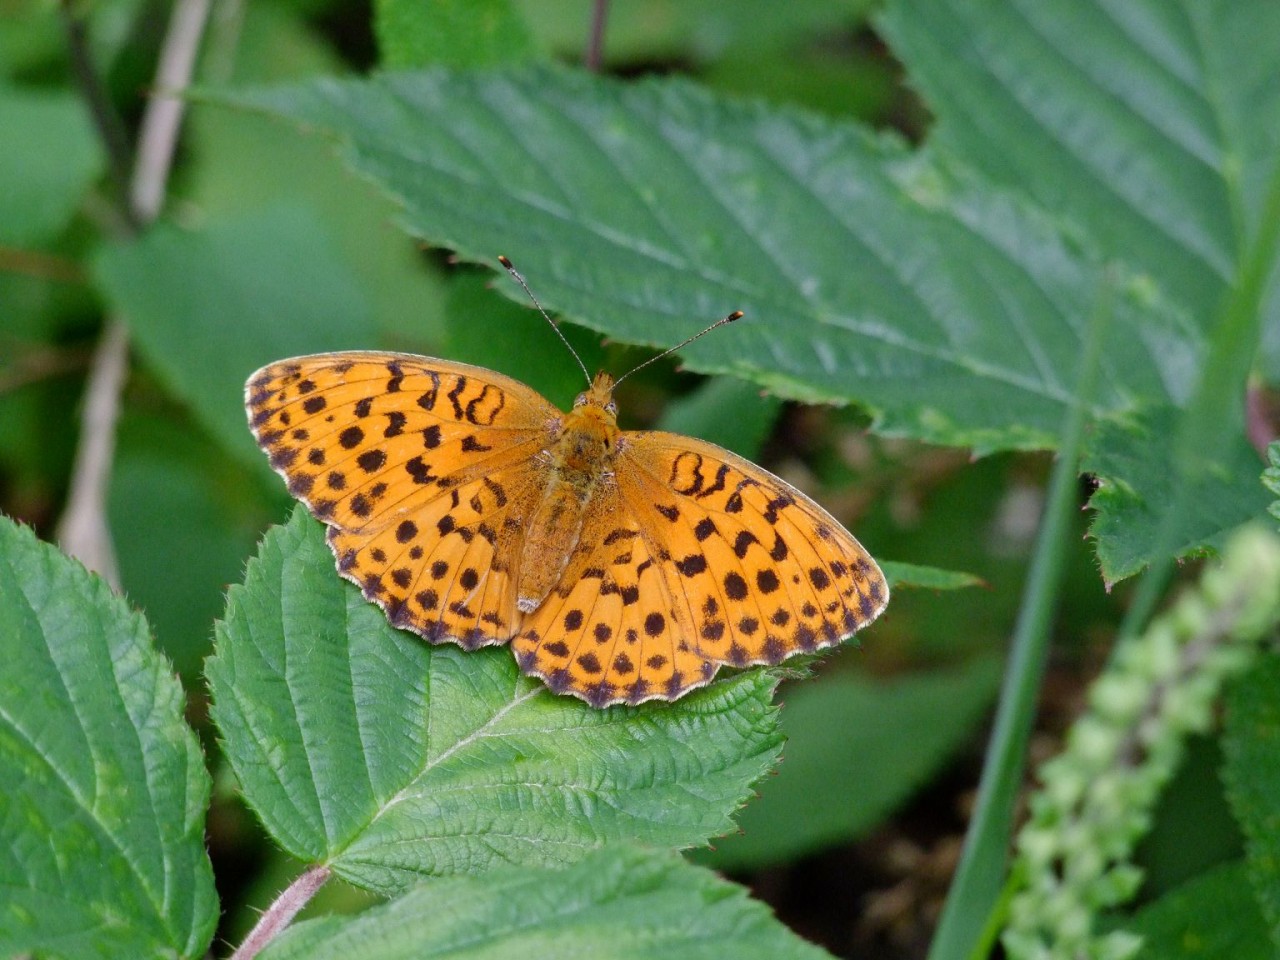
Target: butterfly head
589, 439
596, 402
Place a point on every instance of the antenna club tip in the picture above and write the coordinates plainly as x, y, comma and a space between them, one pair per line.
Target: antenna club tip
505, 262
736, 315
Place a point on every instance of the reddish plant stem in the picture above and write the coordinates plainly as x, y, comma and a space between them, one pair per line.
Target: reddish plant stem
281, 913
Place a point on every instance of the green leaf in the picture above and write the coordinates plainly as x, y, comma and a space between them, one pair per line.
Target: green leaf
953, 312
49, 156
856, 749
102, 811
1271, 477
950, 309
617, 902
457, 33
927, 578
1155, 123
243, 164
207, 308
491, 331
653, 31
1252, 775
363, 747
1192, 803
1137, 486
727, 411
165, 470
1205, 919
31, 37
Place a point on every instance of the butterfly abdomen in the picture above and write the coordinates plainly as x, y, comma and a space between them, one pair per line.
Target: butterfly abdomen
581, 455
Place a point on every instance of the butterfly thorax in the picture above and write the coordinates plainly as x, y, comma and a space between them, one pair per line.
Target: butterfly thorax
579, 458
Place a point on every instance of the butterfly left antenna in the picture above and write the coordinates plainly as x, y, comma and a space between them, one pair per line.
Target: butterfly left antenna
520, 280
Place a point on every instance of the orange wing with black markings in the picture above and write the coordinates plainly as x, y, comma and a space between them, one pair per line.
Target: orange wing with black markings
424, 470
647, 560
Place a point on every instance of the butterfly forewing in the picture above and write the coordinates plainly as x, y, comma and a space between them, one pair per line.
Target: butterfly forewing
424, 471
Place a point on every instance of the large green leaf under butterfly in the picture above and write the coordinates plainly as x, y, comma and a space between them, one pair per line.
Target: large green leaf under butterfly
390, 760
952, 309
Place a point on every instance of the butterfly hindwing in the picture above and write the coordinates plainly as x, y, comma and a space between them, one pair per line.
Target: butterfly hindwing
612, 632
691, 557
760, 569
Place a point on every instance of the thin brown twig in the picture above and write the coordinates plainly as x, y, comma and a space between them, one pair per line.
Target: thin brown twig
1260, 423
37, 263
594, 58
281, 913
41, 363
83, 530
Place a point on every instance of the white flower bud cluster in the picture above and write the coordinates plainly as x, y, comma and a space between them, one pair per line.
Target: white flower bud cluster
1097, 796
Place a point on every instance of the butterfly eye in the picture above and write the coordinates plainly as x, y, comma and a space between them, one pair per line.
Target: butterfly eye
611, 408
580, 400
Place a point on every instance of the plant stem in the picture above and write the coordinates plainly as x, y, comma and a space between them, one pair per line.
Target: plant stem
159, 133
594, 57
976, 890
83, 530
1214, 415
1217, 410
281, 913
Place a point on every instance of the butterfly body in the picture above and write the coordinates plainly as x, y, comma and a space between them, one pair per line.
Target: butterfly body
579, 458
621, 566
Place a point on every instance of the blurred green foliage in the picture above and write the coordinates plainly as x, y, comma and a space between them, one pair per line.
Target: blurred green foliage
926, 260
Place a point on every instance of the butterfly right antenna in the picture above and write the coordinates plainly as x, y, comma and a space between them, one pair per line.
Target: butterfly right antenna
520, 280
736, 315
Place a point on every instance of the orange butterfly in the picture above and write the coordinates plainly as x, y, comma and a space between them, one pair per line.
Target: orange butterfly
622, 566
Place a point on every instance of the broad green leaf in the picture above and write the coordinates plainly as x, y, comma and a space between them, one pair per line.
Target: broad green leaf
458, 33
491, 331
1252, 775
618, 902
727, 411
1154, 124
102, 809
241, 164
953, 312
49, 156
363, 747
928, 578
856, 749
207, 307
1137, 484
1206, 919
1193, 803
950, 309
1271, 477
31, 37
